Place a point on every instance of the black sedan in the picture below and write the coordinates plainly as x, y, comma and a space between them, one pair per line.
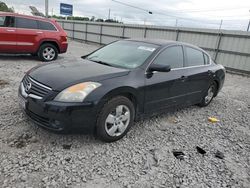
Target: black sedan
107, 90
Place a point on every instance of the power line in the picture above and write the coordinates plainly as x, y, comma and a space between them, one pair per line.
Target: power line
132, 6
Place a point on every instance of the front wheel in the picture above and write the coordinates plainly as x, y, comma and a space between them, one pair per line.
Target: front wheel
47, 52
115, 119
209, 95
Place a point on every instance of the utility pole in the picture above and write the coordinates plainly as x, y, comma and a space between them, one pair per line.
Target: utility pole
109, 14
46, 8
248, 27
220, 24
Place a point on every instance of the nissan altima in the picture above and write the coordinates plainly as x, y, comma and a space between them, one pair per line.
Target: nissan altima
108, 89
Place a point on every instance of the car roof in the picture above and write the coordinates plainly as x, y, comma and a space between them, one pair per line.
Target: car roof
164, 42
24, 16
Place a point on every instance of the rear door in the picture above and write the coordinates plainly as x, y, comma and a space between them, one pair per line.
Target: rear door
7, 34
28, 35
199, 75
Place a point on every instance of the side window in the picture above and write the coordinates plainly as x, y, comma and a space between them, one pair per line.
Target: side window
2, 20
46, 26
26, 23
194, 57
6, 21
172, 56
206, 58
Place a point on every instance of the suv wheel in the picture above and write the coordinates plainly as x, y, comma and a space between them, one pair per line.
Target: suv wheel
115, 119
48, 52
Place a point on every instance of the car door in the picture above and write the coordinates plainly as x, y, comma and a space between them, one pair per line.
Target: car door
199, 75
166, 89
7, 34
28, 35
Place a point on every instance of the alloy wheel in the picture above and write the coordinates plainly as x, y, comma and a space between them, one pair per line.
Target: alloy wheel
117, 121
210, 94
49, 53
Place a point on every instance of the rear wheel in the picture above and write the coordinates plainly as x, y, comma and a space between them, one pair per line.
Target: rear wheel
47, 52
115, 119
209, 95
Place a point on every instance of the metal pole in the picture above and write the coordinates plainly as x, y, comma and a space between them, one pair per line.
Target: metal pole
220, 24
46, 8
248, 26
109, 15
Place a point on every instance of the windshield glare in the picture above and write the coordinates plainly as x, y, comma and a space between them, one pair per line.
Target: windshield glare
125, 54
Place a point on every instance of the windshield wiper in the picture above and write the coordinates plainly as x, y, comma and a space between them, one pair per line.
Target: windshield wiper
100, 62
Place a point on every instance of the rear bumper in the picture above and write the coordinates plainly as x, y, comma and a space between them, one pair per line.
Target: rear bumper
64, 47
59, 116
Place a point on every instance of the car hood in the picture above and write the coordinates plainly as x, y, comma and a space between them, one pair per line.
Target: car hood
59, 75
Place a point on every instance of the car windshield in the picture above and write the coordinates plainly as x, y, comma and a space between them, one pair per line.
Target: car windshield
125, 54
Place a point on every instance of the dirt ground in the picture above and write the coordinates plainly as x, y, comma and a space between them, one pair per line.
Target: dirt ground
33, 157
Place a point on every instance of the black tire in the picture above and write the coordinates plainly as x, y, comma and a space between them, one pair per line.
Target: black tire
43, 55
208, 97
102, 130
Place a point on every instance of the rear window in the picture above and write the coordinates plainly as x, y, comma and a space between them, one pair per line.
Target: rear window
194, 57
206, 58
46, 26
26, 23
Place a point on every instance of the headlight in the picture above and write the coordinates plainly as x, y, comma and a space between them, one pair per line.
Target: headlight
77, 93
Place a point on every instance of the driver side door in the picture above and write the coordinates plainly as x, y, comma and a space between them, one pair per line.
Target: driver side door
166, 89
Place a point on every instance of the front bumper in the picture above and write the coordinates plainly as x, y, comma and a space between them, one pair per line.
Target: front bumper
59, 116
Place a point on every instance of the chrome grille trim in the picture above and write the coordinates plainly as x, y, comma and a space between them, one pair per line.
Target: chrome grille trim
46, 87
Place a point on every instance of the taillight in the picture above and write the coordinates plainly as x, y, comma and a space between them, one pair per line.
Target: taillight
64, 38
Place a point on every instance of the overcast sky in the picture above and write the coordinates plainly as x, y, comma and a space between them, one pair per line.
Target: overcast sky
196, 13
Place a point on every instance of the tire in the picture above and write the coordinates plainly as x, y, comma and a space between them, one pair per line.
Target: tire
47, 52
209, 95
115, 119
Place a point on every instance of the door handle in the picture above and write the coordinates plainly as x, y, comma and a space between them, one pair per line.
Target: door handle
183, 78
10, 30
39, 32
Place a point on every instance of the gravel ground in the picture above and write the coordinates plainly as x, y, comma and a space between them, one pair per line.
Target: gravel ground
33, 157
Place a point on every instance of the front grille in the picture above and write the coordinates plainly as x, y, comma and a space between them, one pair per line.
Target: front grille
36, 88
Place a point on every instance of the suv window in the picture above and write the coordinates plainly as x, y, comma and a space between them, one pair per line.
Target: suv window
26, 23
194, 57
46, 26
6, 21
172, 56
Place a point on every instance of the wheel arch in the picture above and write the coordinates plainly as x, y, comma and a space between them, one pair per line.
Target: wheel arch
126, 91
53, 42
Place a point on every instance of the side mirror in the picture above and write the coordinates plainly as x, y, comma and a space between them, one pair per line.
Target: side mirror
159, 68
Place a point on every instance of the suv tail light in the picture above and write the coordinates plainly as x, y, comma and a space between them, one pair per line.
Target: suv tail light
64, 38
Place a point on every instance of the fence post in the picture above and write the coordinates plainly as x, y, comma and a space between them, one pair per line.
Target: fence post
86, 33
218, 46
101, 34
177, 34
145, 32
73, 34
123, 31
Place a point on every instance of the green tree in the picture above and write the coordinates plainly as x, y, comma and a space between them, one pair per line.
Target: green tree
5, 8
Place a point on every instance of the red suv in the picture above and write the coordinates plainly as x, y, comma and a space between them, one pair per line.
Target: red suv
30, 34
